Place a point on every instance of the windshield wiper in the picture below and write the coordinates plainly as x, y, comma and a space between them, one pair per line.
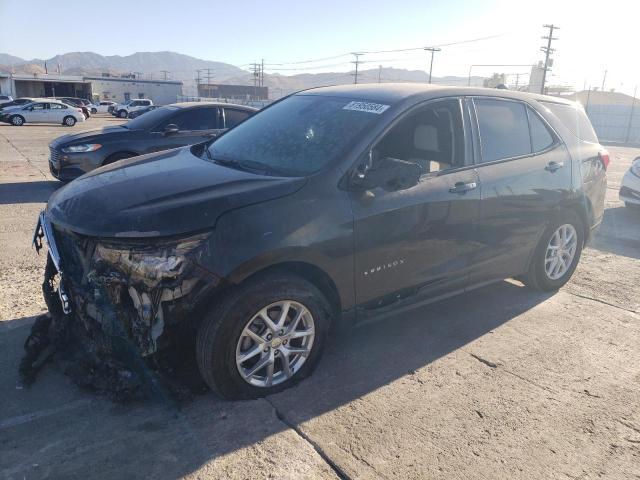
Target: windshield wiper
245, 165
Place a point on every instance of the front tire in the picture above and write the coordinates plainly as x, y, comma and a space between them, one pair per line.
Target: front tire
69, 121
94, 110
17, 120
263, 337
122, 114
557, 254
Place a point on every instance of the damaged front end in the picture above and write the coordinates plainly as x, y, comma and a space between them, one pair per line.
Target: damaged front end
118, 301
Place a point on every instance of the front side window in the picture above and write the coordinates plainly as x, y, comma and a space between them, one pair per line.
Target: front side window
432, 137
299, 135
504, 129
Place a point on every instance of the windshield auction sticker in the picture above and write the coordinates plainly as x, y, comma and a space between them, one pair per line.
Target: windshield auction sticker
376, 108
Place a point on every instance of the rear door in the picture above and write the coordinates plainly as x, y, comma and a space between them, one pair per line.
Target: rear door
57, 112
416, 242
525, 177
195, 125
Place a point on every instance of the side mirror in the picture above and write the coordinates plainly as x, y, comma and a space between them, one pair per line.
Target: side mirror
389, 173
171, 129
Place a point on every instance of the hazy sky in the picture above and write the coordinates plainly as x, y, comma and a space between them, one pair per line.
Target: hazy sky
594, 36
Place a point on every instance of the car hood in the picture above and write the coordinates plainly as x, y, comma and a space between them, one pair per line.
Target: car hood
169, 193
88, 135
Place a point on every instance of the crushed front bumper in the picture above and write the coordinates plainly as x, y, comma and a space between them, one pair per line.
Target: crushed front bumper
151, 285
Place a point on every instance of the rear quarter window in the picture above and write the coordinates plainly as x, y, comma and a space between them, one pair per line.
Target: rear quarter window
575, 119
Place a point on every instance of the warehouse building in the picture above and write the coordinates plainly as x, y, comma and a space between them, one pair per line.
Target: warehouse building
233, 92
116, 89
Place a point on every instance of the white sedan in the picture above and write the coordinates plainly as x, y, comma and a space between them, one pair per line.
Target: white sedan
101, 107
42, 111
630, 190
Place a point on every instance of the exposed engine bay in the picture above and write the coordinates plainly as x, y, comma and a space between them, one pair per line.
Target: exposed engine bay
114, 306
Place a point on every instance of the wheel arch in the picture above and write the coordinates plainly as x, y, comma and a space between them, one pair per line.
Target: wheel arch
310, 272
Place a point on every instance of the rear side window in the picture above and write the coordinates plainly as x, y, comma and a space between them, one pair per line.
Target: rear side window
575, 119
234, 117
541, 137
504, 129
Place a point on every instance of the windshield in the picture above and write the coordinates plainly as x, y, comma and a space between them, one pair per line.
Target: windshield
150, 119
295, 137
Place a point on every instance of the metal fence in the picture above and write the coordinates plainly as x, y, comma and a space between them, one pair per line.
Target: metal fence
615, 123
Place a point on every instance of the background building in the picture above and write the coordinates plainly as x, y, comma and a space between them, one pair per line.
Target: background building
233, 92
614, 115
116, 89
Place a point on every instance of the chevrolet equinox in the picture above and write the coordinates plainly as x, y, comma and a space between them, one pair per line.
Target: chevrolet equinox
345, 202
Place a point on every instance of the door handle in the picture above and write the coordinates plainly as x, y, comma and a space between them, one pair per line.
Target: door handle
461, 187
553, 166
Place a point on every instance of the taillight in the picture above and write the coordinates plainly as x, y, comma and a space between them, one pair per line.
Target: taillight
604, 158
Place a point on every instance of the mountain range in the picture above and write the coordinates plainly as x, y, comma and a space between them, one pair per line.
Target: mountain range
177, 66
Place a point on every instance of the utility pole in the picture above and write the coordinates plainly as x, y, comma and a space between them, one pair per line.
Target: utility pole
432, 50
547, 51
357, 62
262, 73
603, 80
633, 107
379, 72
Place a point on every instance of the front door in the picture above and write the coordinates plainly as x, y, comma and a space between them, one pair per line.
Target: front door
525, 176
195, 125
416, 242
38, 113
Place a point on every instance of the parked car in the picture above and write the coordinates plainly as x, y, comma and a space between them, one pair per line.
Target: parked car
102, 107
164, 128
630, 189
42, 111
341, 203
17, 102
124, 109
137, 113
5, 99
79, 103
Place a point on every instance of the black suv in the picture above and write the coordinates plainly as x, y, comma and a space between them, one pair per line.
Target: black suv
345, 202
163, 128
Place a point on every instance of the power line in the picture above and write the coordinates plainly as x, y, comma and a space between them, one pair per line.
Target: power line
547, 51
471, 40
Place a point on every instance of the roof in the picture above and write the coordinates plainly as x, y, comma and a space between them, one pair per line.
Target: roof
396, 92
211, 104
597, 97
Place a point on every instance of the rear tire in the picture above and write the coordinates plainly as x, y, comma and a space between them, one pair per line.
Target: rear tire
222, 339
68, 121
554, 260
17, 120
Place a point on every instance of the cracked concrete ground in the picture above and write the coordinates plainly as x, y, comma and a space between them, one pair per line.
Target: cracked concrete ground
501, 383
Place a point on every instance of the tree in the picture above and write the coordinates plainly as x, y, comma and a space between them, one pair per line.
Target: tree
495, 80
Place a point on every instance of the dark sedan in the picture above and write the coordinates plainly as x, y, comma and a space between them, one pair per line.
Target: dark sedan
17, 102
142, 111
168, 127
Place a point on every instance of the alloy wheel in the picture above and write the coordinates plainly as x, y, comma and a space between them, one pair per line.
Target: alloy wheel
275, 343
561, 251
